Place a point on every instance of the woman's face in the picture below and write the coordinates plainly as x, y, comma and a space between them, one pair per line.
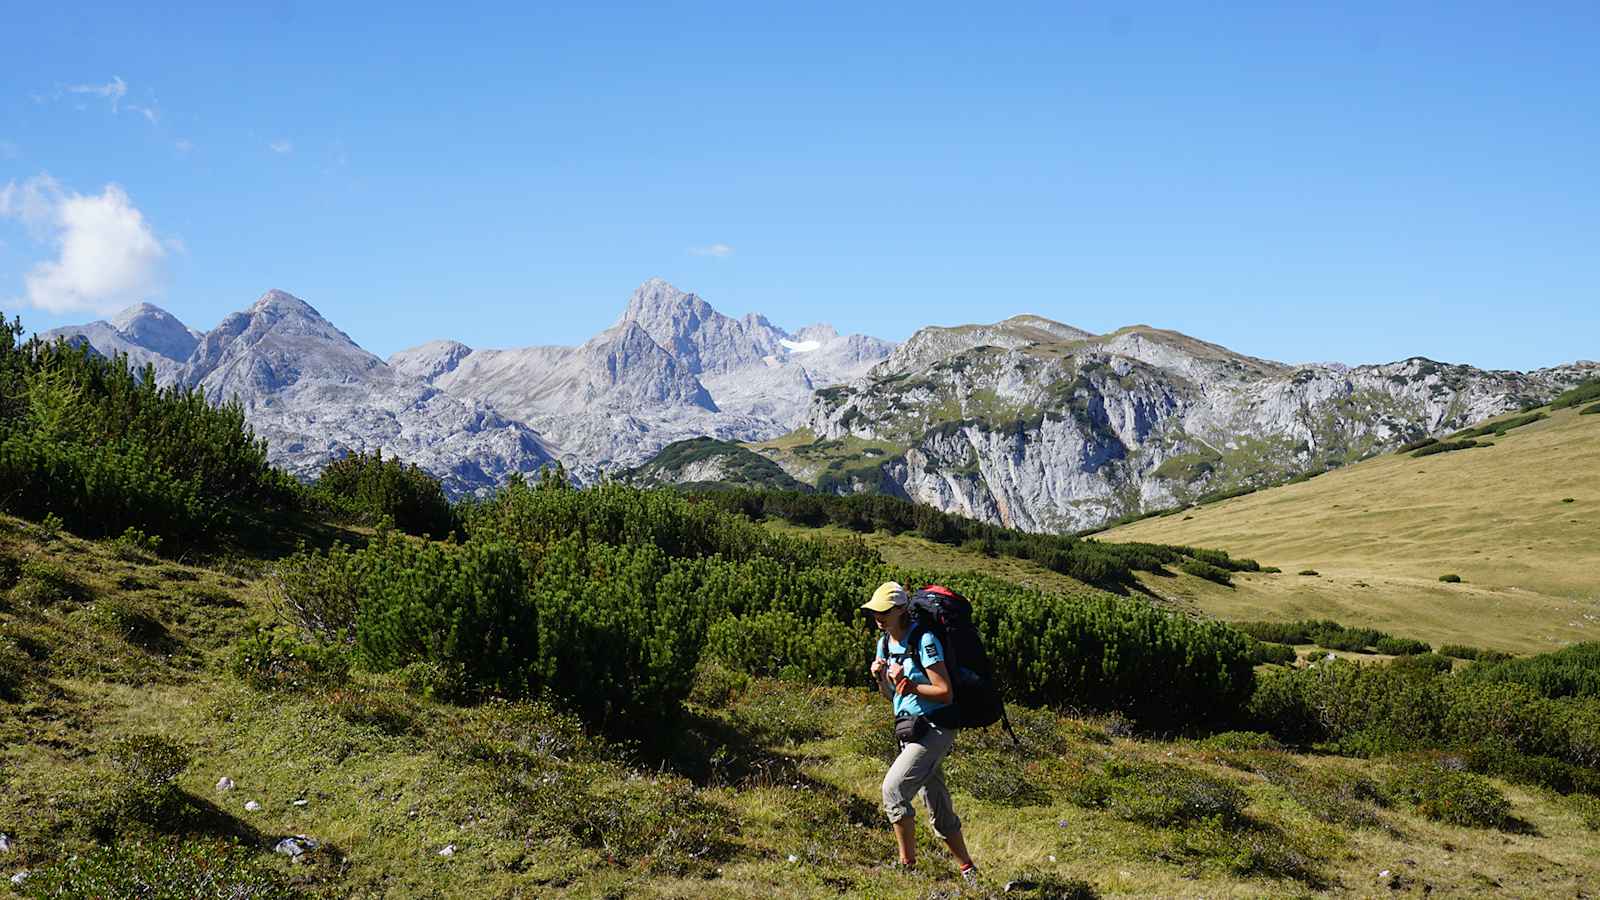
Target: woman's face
886, 620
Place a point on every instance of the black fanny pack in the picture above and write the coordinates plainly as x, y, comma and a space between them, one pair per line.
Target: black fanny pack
910, 729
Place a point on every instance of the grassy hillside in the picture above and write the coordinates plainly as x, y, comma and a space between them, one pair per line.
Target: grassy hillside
130, 651
1518, 521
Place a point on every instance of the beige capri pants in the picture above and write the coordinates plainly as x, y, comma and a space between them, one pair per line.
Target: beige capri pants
919, 769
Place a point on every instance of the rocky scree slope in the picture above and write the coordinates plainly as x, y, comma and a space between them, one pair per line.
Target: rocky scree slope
1040, 426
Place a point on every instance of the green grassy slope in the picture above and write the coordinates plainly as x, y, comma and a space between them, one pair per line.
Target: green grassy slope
134, 645
1380, 533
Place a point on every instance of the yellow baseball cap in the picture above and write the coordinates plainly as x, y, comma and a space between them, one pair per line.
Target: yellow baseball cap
888, 595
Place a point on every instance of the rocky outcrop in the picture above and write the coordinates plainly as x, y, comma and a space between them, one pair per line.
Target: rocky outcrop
1066, 433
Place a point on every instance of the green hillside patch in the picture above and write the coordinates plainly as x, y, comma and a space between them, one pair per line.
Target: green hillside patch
1586, 392
735, 465
1383, 530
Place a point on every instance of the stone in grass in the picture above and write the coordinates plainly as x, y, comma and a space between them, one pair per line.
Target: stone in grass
224, 783
449, 850
297, 847
252, 806
5, 843
19, 878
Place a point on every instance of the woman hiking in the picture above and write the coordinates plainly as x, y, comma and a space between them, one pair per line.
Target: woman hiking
917, 680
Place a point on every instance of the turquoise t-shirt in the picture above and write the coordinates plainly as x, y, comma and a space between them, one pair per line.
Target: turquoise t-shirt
916, 666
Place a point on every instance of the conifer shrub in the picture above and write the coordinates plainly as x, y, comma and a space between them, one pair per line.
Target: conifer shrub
1446, 795
1590, 410
1394, 646
370, 488
162, 868
1425, 662
822, 651
1450, 579
104, 448
144, 786
133, 545
1445, 447
1263, 652
1237, 741
1569, 672
1311, 572
1207, 571
270, 660
1459, 651
1416, 445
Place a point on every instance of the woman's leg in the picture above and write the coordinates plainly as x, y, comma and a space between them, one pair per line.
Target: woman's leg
941, 813
904, 780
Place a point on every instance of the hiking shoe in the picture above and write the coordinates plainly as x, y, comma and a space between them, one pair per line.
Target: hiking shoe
970, 875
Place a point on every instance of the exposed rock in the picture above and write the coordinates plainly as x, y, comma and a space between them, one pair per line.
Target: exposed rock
252, 806
224, 783
1044, 434
297, 847
146, 334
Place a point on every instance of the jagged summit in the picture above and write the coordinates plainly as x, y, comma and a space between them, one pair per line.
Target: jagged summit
144, 333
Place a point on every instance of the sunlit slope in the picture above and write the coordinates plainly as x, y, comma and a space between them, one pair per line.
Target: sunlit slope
1380, 533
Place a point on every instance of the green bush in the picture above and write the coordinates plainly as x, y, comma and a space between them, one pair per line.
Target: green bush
1312, 572
824, 651
609, 598
1431, 663
161, 870
1416, 445
1265, 652
1450, 579
105, 449
1445, 447
1445, 795
1207, 571
43, 584
144, 787
133, 545
1393, 646
1235, 741
272, 661
1459, 651
1570, 672
370, 488
1590, 410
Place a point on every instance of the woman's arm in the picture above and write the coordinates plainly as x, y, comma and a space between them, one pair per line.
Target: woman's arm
938, 687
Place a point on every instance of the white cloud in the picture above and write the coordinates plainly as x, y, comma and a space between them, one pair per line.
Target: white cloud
107, 255
712, 250
183, 145
150, 113
114, 90
281, 146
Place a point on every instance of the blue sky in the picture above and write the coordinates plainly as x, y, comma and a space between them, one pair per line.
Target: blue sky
1362, 184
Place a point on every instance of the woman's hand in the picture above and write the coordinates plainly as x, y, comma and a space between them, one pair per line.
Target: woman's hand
877, 667
896, 672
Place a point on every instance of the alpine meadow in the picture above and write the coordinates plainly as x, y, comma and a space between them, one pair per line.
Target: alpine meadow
952, 452
219, 681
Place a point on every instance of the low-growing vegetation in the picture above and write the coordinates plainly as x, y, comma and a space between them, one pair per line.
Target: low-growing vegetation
1583, 393
1106, 565
1446, 447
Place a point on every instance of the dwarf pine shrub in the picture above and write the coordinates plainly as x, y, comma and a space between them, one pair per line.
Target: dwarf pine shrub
1394, 646
1446, 795
371, 488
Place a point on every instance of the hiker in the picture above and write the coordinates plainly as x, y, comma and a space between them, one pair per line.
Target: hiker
917, 680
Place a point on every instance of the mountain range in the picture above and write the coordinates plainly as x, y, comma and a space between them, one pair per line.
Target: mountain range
671, 368
1026, 422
